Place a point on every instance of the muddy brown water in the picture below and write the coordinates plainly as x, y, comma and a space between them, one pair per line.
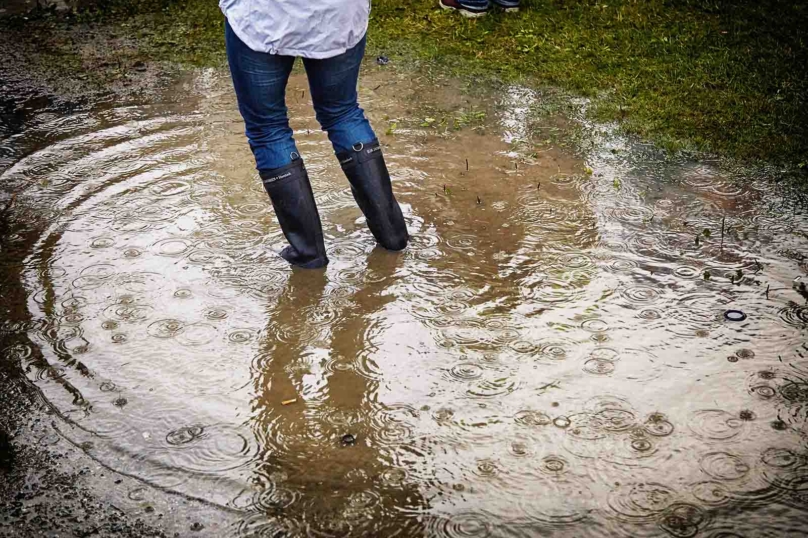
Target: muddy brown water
546, 358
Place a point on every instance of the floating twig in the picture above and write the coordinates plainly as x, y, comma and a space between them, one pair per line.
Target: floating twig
767, 290
723, 220
479, 201
288, 402
467, 165
10, 203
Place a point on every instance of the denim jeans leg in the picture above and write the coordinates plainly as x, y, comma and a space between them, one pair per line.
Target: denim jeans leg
476, 4
332, 83
260, 81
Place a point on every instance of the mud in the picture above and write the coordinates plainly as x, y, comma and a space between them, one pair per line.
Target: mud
549, 356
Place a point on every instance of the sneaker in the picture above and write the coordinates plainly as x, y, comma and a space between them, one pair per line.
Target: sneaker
467, 8
511, 6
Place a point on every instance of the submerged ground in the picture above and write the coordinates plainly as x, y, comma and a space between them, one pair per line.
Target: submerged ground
550, 356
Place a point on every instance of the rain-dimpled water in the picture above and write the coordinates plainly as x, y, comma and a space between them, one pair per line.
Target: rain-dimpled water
550, 356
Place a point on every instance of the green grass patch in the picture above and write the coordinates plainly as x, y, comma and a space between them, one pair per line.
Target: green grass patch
719, 76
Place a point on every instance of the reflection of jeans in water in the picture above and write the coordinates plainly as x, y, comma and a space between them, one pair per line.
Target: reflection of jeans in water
260, 81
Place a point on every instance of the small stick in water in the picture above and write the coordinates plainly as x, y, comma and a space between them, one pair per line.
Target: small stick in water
287, 402
479, 201
467, 165
444, 188
723, 219
767, 290
10, 202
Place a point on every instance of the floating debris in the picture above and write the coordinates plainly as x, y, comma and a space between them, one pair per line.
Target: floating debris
734, 315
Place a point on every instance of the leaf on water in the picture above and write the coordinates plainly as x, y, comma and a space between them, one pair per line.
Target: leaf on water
616, 183
706, 233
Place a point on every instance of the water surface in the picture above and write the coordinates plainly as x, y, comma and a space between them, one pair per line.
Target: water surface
549, 356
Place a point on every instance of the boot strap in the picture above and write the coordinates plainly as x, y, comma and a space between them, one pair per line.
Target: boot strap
362, 154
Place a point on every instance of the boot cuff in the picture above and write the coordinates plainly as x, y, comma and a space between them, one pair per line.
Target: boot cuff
360, 153
272, 175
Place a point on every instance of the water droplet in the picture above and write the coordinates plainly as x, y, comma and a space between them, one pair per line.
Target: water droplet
561, 422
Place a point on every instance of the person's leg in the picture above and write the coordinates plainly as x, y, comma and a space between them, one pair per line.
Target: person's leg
332, 83
260, 81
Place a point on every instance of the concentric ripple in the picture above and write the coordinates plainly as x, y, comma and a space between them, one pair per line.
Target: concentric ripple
548, 356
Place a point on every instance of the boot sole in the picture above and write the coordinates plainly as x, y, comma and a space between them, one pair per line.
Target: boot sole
464, 12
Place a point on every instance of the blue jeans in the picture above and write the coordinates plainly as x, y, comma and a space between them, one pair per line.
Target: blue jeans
475, 4
485, 4
260, 82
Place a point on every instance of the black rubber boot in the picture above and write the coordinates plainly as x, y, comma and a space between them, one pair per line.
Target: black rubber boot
370, 184
290, 191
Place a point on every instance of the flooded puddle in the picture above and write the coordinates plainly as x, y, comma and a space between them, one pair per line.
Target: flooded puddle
550, 356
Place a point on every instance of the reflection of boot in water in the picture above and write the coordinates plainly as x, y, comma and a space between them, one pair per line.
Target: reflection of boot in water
370, 184
288, 336
339, 488
348, 481
290, 191
280, 428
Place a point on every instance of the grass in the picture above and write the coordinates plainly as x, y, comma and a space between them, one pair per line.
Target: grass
720, 76
725, 77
